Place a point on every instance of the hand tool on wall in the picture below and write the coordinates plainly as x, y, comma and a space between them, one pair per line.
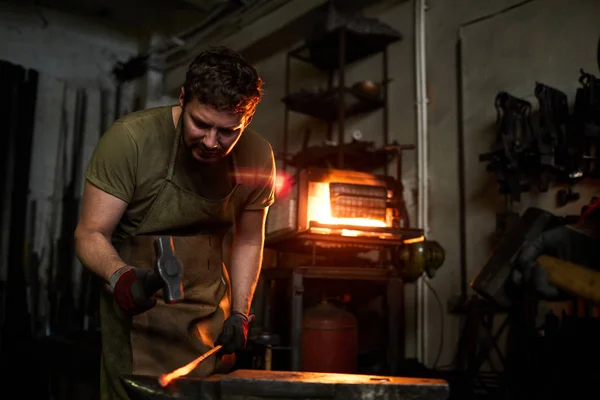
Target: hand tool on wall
18, 93
67, 313
513, 159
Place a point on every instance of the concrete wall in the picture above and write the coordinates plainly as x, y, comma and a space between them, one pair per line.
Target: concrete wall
61, 46
545, 40
70, 55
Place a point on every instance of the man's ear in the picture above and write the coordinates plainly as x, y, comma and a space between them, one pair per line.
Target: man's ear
181, 96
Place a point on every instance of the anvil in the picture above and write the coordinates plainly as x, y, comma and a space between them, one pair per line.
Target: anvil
283, 385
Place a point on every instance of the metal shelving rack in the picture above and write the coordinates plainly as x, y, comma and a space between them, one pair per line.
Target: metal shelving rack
332, 52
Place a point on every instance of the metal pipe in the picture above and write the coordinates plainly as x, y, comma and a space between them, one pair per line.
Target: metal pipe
386, 119
268, 357
214, 19
341, 91
422, 171
218, 24
285, 149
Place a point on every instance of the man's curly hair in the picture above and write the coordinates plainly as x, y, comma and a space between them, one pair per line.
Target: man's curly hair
221, 78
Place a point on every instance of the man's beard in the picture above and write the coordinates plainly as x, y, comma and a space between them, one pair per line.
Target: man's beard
202, 153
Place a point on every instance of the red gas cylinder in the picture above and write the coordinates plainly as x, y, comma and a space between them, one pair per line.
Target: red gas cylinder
329, 340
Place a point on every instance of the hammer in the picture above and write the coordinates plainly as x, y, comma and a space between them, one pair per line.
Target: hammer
168, 271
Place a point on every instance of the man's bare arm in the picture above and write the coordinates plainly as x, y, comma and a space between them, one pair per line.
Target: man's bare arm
100, 214
246, 258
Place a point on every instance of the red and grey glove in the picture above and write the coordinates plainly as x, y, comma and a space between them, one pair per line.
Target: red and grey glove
234, 335
131, 290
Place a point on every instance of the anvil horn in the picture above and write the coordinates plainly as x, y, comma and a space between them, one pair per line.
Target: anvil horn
142, 387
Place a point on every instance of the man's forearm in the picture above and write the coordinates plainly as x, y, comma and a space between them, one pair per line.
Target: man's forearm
96, 253
246, 260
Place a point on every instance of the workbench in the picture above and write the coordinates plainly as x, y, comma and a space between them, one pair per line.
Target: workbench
286, 385
296, 277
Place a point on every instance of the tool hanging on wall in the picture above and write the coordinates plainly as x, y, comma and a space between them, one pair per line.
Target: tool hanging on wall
51, 273
514, 157
18, 98
563, 149
560, 147
32, 268
66, 313
586, 120
89, 293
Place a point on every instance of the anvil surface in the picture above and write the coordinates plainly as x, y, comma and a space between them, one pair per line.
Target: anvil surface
286, 385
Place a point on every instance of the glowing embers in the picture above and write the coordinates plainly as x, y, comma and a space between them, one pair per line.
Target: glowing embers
347, 209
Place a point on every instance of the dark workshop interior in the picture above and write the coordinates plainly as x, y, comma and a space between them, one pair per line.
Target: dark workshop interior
435, 232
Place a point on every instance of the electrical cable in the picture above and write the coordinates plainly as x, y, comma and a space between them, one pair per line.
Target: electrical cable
441, 307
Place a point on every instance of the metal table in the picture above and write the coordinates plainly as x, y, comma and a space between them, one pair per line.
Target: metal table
296, 277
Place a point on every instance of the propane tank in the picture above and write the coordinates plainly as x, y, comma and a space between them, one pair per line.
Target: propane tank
329, 340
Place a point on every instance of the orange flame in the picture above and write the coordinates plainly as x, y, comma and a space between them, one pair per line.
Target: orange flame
165, 379
319, 210
415, 240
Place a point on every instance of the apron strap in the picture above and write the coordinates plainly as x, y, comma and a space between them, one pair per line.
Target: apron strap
175, 148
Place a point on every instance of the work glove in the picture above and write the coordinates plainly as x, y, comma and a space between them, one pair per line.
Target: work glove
234, 335
131, 290
551, 242
566, 243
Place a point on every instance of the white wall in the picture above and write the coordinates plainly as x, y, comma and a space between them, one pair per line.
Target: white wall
61, 46
547, 40
69, 54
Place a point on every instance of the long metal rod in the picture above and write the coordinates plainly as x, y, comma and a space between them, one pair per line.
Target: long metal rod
386, 119
215, 18
422, 144
297, 301
285, 150
462, 201
218, 25
165, 379
341, 101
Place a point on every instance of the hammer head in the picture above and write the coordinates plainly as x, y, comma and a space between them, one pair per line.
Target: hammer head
168, 269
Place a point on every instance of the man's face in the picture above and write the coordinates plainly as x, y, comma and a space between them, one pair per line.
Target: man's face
210, 134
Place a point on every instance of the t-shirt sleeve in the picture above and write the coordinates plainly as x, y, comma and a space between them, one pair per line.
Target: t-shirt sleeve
113, 164
263, 193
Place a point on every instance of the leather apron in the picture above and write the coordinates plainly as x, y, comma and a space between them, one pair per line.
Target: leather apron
170, 336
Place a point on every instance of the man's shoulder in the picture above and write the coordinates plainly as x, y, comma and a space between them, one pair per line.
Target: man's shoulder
253, 149
146, 122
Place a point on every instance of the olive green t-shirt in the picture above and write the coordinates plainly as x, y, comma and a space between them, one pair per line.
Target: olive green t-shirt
131, 162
